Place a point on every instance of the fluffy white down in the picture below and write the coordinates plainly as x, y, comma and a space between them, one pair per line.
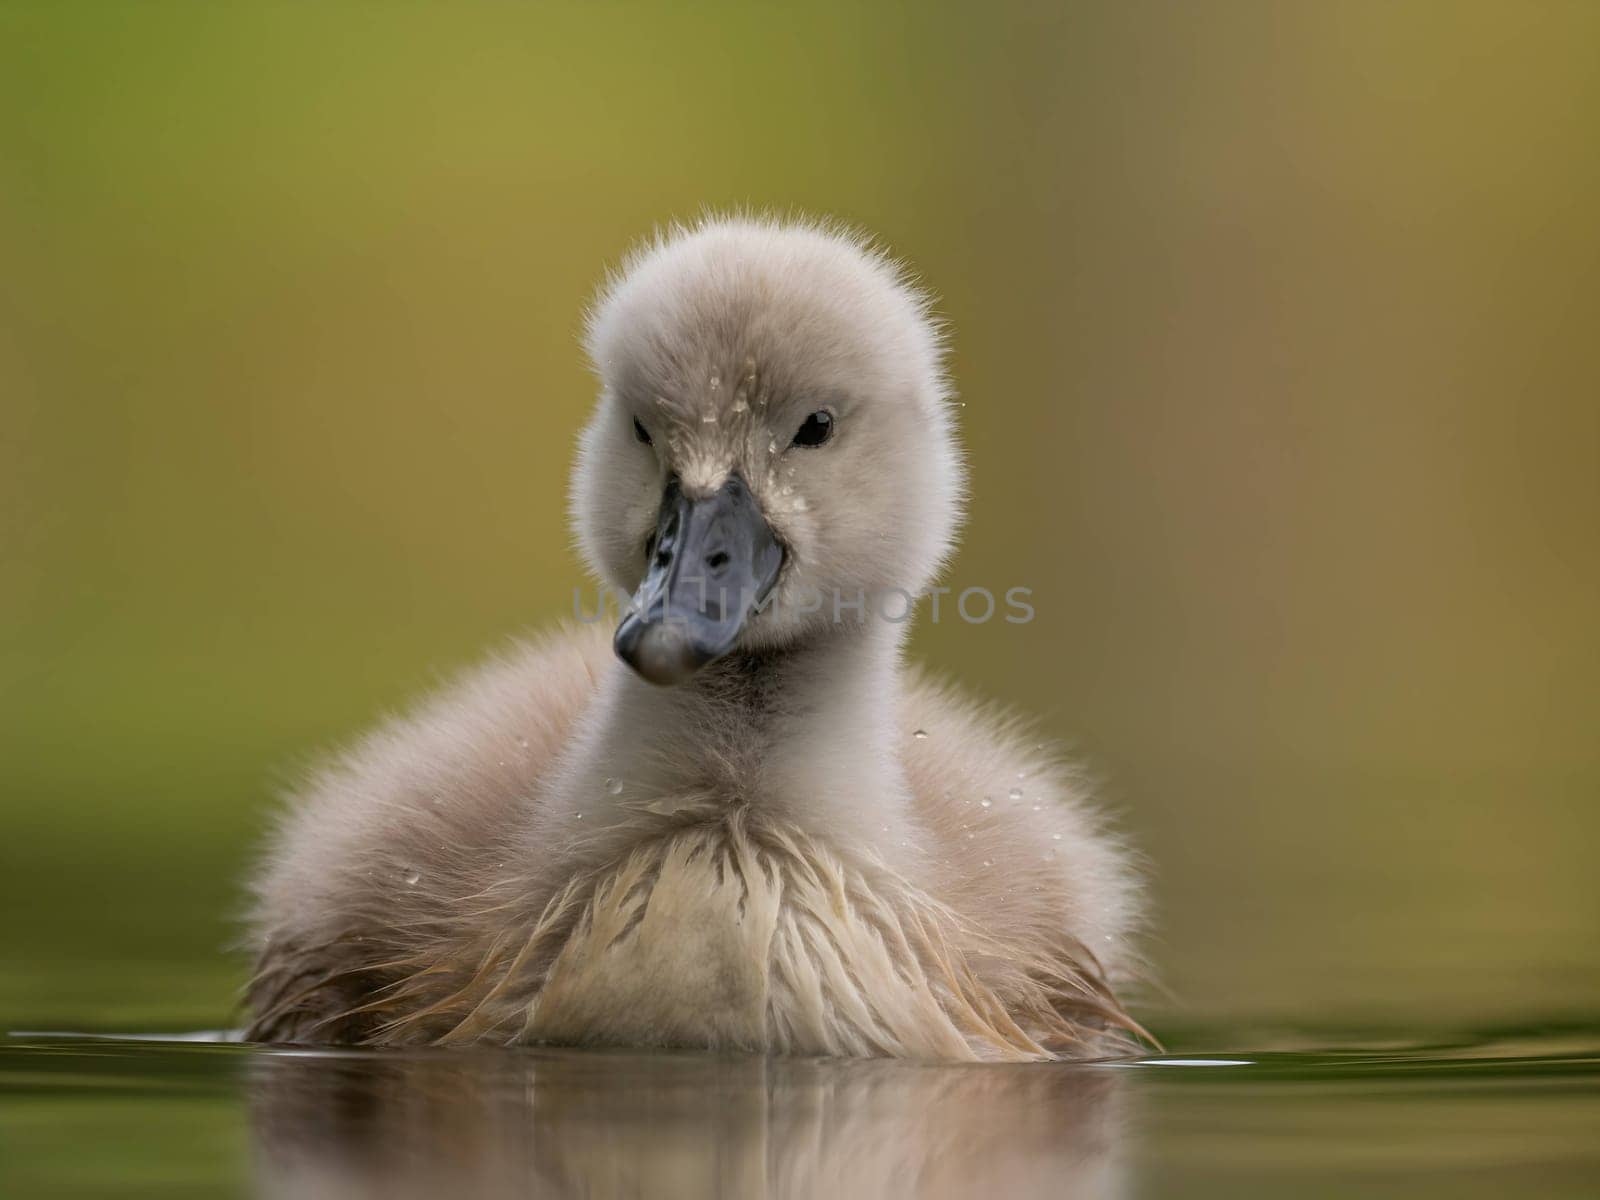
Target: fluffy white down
810, 849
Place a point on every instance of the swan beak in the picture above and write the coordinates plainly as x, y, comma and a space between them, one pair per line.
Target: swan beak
713, 561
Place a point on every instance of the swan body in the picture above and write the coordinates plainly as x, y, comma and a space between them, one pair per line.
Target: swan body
801, 846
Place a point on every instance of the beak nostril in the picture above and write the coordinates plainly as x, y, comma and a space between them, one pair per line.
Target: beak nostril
710, 566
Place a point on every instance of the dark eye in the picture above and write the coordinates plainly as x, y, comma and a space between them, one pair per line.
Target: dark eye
640, 432
816, 429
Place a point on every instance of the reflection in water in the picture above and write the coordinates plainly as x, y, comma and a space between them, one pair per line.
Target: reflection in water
1509, 1112
338, 1124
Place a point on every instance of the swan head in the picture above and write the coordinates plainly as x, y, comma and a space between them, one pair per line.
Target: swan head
772, 455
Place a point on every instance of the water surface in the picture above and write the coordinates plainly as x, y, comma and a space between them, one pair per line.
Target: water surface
1508, 1112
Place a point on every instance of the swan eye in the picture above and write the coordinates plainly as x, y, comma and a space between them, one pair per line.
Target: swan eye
816, 429
640, 432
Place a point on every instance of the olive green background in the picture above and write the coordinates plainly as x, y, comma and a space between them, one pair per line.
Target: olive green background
1275, 325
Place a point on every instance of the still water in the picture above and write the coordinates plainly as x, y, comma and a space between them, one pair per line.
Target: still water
1509, 1112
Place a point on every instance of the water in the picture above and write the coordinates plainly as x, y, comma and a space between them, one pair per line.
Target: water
1503, 1113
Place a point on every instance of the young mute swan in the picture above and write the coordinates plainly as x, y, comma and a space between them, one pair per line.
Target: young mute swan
758, 830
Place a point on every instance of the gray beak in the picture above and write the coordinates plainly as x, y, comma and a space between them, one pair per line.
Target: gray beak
712, 562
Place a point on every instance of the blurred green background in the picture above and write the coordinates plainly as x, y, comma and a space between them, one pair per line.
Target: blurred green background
1275, 323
